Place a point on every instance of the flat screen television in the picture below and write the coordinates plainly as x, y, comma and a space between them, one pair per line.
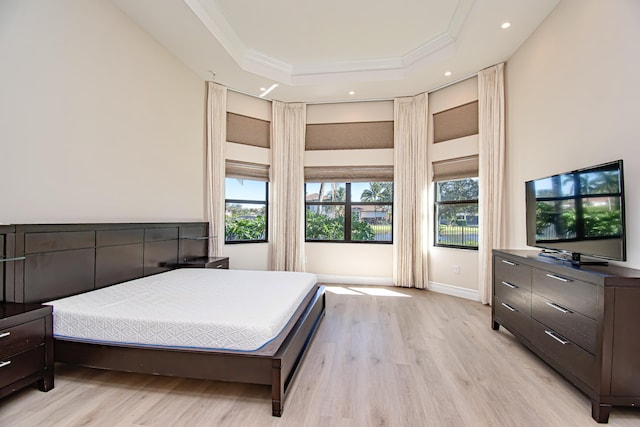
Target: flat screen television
578, 213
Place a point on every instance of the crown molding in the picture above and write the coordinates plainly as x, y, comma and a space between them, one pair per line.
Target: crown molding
215, 22
394, 68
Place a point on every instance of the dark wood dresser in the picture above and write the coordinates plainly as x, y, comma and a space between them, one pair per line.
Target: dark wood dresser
583, 321
26, 347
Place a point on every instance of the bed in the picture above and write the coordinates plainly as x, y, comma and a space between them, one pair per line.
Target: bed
54, 255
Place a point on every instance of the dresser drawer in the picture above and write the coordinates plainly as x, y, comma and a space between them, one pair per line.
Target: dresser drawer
21, 337
21, 365
512, 272
512, 317
565, 353
513, 294
572, 325
570, 293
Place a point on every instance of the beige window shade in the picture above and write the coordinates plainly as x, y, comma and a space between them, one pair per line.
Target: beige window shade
246, 170
458, 168
248, 130
349, 136
348, 173
456, 122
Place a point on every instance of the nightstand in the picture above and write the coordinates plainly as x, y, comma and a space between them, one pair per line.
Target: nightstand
26, 347
203, 262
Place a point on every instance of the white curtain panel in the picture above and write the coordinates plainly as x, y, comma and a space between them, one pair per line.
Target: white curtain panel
491, 172
286, 221
410, 192
216, 138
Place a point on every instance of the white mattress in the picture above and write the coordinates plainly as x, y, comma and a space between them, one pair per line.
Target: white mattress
186, 308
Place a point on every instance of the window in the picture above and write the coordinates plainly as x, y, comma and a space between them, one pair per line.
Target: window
246, 210
457, 213
349, 212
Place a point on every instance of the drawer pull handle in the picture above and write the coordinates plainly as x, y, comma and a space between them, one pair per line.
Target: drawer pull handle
556, 337
219, 266
509, 285
508, 307
3, 364
19, 258
508, 262
5, 334
562, 279
559, 308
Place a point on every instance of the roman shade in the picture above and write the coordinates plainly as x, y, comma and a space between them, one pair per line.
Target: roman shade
246, 170
348, 173
456, 122
457, 168
248, 130
349, 136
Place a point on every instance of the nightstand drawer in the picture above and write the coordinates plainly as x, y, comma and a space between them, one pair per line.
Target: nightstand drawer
21, 337
21, 365
221, 263
202, 262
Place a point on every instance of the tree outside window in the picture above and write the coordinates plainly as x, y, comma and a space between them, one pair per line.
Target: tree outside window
349, 212
246, 210
457, 213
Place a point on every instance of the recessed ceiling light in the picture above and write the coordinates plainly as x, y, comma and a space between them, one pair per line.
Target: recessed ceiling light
262, 89
351, 92
272, 87
505, 25
448, 73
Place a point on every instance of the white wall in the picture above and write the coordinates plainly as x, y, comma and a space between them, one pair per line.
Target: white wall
98, 122
451, 270
572, 101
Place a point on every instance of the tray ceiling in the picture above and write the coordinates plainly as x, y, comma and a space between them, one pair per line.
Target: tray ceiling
321, 51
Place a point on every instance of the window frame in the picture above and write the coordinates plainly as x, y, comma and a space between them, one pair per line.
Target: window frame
249, 202
348, 204
437, 203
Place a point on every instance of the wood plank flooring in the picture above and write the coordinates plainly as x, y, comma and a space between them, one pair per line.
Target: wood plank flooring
382, 357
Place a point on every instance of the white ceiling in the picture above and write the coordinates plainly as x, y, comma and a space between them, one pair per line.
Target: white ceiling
318, 51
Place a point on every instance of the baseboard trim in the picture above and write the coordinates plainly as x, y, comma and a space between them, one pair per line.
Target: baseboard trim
440, 288
355, 280
455, 291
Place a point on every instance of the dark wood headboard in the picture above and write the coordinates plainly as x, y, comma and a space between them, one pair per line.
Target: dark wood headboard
56, 260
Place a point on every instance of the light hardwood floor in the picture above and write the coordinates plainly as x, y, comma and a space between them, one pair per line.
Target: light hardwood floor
382, 357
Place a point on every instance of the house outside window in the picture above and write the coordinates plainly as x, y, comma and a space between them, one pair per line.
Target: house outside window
246, 210
349, 212
456, 213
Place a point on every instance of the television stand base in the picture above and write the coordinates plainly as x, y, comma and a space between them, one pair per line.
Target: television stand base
573, 258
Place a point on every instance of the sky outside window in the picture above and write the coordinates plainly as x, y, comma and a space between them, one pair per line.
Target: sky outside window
244, 189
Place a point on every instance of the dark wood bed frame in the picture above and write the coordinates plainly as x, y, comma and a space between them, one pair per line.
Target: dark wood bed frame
54, 261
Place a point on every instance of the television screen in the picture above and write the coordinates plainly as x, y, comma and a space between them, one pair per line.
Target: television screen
581, 212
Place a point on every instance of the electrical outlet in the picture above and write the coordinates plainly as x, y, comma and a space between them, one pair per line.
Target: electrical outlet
456, 268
